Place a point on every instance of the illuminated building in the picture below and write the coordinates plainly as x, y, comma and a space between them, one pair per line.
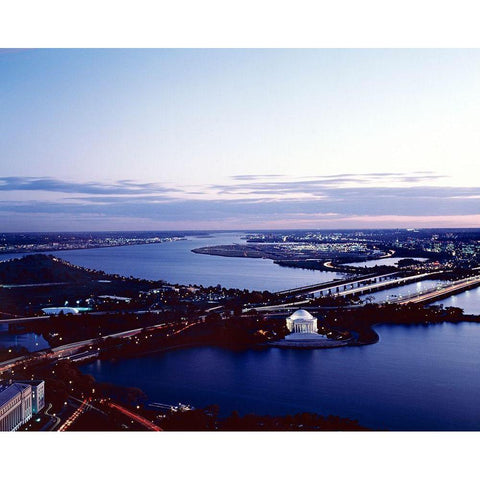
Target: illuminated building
303, 326
15, 406
19, 401
38, 394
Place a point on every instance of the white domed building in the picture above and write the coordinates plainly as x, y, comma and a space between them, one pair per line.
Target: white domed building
303, 326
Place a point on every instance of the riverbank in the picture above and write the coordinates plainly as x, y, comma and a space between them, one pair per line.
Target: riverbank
65, 248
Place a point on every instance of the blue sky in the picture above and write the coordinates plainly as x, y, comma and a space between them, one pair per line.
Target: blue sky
165, 139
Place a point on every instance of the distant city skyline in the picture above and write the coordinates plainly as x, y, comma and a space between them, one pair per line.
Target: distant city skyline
232, 139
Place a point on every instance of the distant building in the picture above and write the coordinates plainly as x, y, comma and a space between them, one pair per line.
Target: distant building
19, 401
114, 297
15, 406
58, 310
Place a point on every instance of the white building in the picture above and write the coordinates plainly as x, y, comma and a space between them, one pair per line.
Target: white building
15, 406
303, 326
58, 310
38, 394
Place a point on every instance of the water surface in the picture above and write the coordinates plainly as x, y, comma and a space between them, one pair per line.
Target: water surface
403, 291
469, 301
415, 378
174, 262
30, 341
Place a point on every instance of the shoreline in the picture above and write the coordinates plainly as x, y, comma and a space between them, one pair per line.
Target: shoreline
54, 250
277, 344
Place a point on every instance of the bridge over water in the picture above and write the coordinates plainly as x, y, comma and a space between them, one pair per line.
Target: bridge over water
350, 287
335, 284
438, 293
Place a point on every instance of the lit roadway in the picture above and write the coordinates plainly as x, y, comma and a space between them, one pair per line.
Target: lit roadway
84, 406
23, 319
64, 351
325, 286
383, 285
134, 416
431, 295
352, 291
368, 282
81, 409
20, 319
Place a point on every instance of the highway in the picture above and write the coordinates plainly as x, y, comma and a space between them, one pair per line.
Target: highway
325, 286
23, 319
359, 290
20, 319
81, 409
281, 306
439, 292
383, 285
64, 351
364, 284
72, 349
135, 417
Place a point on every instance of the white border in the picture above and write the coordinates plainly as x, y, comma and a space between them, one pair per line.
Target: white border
246, 23
207, 23
240, 455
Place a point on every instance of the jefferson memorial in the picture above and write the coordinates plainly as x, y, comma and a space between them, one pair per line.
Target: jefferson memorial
303, 326
303, 333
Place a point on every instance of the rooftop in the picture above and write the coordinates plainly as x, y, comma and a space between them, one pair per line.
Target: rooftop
8, 392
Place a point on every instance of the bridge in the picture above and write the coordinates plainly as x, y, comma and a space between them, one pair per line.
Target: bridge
363, 287
374, 287
82, 348
438, 293
18, 320
335, 284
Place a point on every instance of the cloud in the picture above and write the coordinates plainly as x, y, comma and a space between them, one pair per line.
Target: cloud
254, 177
48, 184
312, 185
412, 201
298, 201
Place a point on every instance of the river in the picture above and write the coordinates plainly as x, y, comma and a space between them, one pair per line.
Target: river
414, 378
30, 341
174, 262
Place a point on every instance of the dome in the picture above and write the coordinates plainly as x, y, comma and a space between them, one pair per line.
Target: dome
302, 325
301, 315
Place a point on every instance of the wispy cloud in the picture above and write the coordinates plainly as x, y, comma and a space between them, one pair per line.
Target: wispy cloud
255, 177
48, 184
273, 199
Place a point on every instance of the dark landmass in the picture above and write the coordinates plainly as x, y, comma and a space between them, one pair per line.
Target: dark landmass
12, 351
362, 320
279, 253
208, 419
43, 269
235, 251
37, 281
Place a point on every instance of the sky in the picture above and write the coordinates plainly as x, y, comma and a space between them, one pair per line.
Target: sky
165, 139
